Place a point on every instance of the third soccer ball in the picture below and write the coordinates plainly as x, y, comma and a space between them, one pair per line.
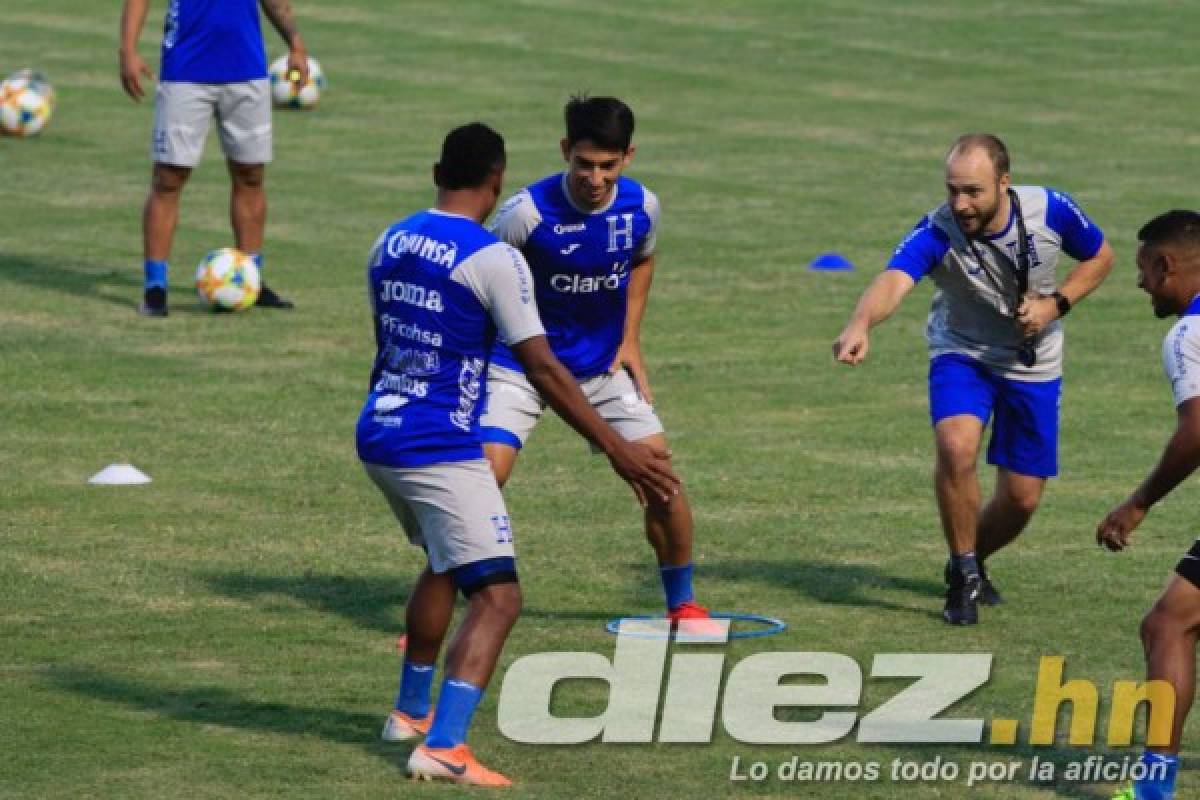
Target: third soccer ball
228, 279
284, 91
26, 102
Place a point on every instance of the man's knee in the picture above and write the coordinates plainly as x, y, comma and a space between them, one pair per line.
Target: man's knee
957, 452
502, 600
1158, 626
168, 179
247, 176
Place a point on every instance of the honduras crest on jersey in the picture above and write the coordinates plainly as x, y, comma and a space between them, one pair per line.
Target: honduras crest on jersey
581, 263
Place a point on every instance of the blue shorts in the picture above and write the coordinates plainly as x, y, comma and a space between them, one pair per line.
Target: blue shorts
1025, 431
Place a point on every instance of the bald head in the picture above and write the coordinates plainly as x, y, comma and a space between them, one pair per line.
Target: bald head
974, 144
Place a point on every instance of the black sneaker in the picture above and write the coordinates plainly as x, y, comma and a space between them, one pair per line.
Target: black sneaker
989, 595
154, 303
267, 298
962, 599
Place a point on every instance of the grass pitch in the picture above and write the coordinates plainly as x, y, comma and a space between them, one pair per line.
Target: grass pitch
226, 631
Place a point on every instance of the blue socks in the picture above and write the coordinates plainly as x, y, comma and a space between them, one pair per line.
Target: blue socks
257, 257
155, 274
1158, 785
415, 683
677, 584
456, 705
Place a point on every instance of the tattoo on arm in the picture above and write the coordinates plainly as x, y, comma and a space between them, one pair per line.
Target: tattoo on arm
280, 14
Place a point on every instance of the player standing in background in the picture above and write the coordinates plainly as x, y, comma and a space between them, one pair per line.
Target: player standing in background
213, 65
588, 234
1168, 263
995, 346
443, 290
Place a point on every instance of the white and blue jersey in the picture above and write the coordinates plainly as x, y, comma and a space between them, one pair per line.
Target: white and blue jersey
443, 290
973, 309
581, 262
212, 41
1181, 355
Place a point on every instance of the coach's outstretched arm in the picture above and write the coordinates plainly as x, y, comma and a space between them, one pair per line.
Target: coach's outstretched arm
646, 468
878, 302
1180, 458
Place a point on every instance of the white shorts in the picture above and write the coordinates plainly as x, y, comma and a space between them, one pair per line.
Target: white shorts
514, 406
183, 111
454, 510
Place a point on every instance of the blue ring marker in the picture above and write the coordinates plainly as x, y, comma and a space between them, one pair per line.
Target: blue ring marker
771, 625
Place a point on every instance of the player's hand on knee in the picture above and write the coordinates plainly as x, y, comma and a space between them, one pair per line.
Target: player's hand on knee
647, 469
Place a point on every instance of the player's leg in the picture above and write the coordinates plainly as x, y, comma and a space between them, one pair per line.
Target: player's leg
426, 619
244, 127
182, 112
1024, 449
511, 412
1169, 634
1009, 511
668, 525
961, 395
473, 545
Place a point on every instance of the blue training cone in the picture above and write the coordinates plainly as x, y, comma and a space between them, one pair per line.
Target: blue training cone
831, 262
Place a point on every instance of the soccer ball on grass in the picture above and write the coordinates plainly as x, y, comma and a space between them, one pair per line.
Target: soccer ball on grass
228, 280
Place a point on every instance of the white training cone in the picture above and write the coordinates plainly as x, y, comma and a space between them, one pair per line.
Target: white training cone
119, 475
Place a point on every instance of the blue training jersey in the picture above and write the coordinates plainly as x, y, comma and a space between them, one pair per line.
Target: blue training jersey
443, 289
212, 41
581, 263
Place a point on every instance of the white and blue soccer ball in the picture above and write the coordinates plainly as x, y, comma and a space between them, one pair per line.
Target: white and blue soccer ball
27, 102
284, 92
227, 279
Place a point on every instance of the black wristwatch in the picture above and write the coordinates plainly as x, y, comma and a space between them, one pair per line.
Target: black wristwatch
1064, 305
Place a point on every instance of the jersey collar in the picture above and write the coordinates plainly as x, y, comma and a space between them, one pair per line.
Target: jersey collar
1193, 308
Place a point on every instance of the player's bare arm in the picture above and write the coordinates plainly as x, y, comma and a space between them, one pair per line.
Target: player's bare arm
630, 353
279, 12
647, 469
132, 66
1036, 312
878, 302
1179, 460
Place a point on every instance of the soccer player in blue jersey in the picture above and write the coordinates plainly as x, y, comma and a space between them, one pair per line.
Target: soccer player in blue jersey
995, 346
589, 234
1168, 263
443, 290
213, 65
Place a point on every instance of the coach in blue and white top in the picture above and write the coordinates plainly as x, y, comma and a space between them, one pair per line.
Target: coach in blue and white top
995, 343
589, 234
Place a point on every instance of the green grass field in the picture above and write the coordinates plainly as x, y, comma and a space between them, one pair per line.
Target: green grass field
226, 632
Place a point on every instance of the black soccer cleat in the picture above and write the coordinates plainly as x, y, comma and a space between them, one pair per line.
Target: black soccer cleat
154, 302
267, 298
962, 599
989, 595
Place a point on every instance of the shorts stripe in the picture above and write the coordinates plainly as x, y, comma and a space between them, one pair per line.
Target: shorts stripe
500, 436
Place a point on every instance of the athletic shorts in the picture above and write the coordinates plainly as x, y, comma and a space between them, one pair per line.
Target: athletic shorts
1189, 566
455, 512
1025, 429
183, 111
514, 407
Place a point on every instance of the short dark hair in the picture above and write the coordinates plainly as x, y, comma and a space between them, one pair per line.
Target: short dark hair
469, 154
604, 121
988, 143
1177, 227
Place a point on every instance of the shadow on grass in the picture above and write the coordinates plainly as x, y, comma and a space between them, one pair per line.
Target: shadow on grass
830, 583
371, 602
80, 279
214, 705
